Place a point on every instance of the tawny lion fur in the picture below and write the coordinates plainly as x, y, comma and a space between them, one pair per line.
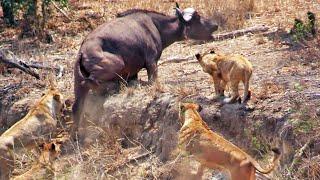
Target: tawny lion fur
213, 151
31, 130
227, 69
43, 168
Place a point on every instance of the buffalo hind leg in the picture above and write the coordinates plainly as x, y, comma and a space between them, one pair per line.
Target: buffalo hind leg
81, 93
152, 71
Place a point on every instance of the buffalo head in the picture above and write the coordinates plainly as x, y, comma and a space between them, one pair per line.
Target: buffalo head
197, 27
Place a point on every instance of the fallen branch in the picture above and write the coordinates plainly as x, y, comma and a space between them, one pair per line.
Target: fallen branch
240, 32
61, 11
15, 63
59, 70
176, 60
298, 156
9, 87
127, 161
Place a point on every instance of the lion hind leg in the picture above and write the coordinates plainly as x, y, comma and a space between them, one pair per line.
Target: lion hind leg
243, 173
234, 93
200, 172
217, 86
6, 163
247, 92
223, 86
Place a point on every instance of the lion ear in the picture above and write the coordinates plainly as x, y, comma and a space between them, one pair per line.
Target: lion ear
182, 108
41, 146
57, 97
52, 147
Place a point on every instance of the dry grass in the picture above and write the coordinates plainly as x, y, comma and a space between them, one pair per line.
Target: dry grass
310, 168
267, 89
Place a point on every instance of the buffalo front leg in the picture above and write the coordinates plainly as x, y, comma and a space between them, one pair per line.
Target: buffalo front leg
152, 70
132, 80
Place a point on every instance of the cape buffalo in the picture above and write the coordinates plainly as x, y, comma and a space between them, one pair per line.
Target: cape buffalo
119, 49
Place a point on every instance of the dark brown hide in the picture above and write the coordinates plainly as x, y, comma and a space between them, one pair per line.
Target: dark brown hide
119, 49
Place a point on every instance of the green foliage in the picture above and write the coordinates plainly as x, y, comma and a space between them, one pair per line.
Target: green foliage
298, 87
258, 145
64, 3
301, 126
28, 5
301, 30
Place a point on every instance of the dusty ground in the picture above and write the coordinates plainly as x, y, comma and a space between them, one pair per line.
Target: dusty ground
284, 109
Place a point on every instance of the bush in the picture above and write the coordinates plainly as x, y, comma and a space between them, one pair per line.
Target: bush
35, 14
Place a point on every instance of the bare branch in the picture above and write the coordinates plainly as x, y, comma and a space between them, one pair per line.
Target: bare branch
240, 32
61, 11
13, 62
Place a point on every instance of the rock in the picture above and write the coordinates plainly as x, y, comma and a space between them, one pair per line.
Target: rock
11, 113
233, 116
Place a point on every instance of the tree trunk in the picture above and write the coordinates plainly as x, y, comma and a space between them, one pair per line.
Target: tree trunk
7, 8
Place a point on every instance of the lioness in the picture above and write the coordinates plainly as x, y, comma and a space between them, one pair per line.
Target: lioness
227, 68
39, 123
212, 150
44, 167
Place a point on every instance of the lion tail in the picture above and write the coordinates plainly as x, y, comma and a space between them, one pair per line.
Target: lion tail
276, 157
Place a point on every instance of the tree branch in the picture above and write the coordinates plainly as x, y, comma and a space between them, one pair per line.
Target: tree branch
13, 62
60, 10
240, 32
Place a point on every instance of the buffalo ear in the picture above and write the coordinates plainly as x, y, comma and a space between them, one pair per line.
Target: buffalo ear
177, 5
179, 13
188, 14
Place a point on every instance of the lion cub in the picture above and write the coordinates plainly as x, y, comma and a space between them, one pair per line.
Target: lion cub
44, 167
212, 150
227, 68
38, 124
